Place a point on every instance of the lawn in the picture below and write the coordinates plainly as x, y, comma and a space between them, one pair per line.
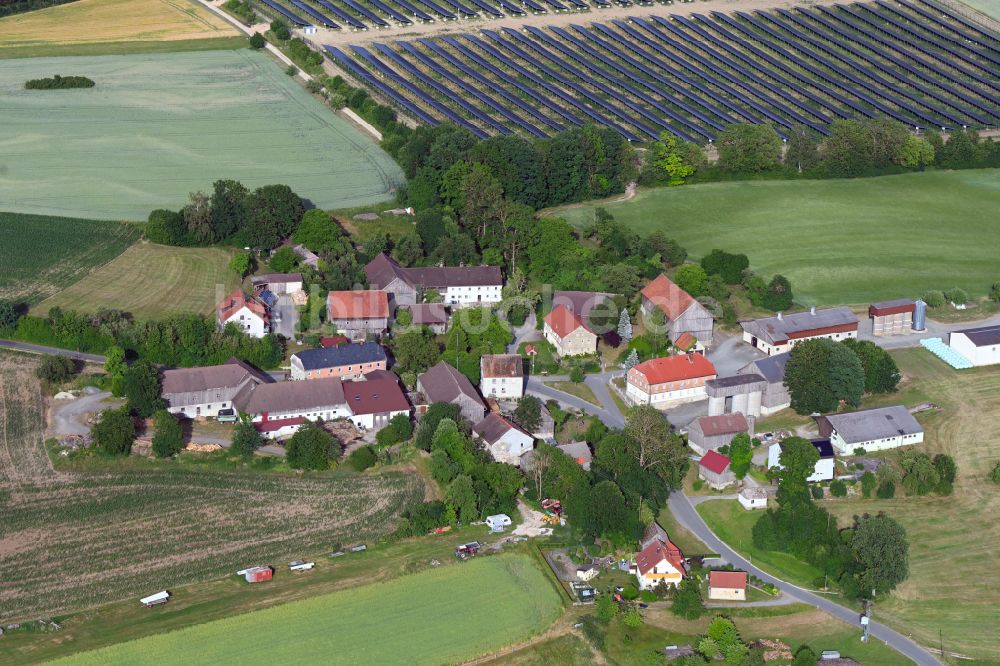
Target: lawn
159, 126
41, 255
579, 390
443, 615
90, 22
152, 281
988, 7
734, 525
838, 241
565, 650
90, 532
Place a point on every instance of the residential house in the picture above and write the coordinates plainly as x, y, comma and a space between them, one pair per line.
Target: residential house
458, 285
753, 497
374, 401
358, 314
714, 469
587, 573
248, 314
567, 332
278, 283
871, 429
708, 433
584, 303
501, 376
279, 409
432, 315
349, 361
443, 383
778, 334
775, 396
892, 317
824, 470
682, 313
727, 585
202, 392
506, 441
981, 346
669, 381
659, 561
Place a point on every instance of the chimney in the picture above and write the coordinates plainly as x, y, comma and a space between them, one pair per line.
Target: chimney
812, 310
779, 316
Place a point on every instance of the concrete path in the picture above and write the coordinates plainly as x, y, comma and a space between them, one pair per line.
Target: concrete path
685, 514
55, 351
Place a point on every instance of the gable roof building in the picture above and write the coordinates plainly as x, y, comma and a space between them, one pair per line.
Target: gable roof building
506, 441
778, 334
714, 469
659, 561
708, 433
582, 303
871, 429
348, 361
443, 383
578, 451
246, 312
358, 313
432, 315
566, 331
501, 376
730, 585
669, 380
204, 391
682, 312
775, 395
459, 285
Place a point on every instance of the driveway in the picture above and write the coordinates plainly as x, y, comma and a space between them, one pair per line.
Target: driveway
935, 329
525, 333
285, 310
685, 514
608, 412
69, 417
729, 353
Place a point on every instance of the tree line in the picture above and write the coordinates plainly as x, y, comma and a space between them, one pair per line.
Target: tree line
59, 82
853, 148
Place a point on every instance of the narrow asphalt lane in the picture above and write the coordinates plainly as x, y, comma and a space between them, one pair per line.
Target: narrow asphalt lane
608, 413
42, 349
685, 514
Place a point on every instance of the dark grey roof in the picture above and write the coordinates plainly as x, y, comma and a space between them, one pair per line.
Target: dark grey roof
735, 380
230, 374
443, 383
332, 357
776, 330
773, 367
429, 313
581, 302
296, 396
982, 336
874, 424
382, 270
493, 427
892, 304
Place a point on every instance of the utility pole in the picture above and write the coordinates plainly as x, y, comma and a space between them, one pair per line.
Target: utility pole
941, 641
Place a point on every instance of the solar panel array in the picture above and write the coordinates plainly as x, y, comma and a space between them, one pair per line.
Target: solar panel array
364, 14
912, 60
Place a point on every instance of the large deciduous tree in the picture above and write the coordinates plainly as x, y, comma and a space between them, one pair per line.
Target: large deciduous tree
246, 439
168, 437
748, 149
881, 549
311, 447
820, 373
228, 207
141, 387
658, 448
881, 372
115, 432
672, 157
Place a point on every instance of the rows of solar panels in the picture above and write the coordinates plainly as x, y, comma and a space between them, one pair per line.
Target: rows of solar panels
362, 14
912, 60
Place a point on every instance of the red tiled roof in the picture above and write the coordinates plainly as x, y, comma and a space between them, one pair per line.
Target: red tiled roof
675, 368
333, 341
685, 341
730, 580
278, 424
667, 296
655, 553
714, 461
375, 396
358, 304
235, 301
563, 322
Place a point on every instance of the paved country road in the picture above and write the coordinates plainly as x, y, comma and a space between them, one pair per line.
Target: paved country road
685, 514
56, 351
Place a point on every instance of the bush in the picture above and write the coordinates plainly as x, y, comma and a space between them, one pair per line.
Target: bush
995, 474
957, 296
398, 430
58, 82
55, 369
280, 30
361, 459
292, 70
698, 484
934, 298
886, 490
576, 375
817, 492
838, 488
311, 447
630, 592
868, 484
257, 41
168, 437
115, 432
860, 451
647, 596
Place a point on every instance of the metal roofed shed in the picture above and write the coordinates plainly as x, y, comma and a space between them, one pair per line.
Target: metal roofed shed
980, 345
892, 317
871, 429
775, 335
155, 599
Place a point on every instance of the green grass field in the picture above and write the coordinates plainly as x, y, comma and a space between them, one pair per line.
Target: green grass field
159, 126
152, 281
838, 241
438, 616
41, 255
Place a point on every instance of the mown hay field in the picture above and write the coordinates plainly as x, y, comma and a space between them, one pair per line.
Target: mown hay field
152, 281
41, 255
851, 241
94, 21
159, 126
99, 531
439, 616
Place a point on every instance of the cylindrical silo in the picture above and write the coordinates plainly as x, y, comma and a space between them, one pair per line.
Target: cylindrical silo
920, 316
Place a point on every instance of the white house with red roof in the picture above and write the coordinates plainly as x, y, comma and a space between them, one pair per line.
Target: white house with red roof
659, 561
683, 314
669, 381
566, 331
245, 312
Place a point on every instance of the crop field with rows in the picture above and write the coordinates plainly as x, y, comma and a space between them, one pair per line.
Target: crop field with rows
42, 255
98, 531
915, 61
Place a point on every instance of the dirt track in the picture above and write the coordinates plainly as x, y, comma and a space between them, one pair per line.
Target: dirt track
347, 37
